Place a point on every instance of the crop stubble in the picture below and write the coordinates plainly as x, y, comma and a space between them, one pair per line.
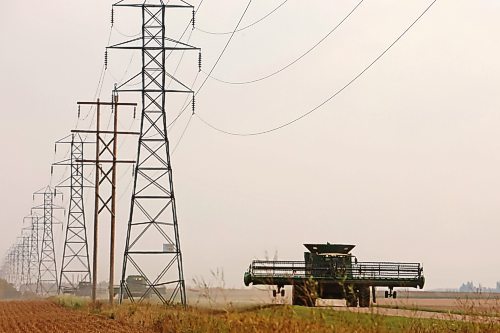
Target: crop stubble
47, 317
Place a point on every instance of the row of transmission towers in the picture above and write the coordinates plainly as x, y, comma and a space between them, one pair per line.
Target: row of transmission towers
152, 258
30, 263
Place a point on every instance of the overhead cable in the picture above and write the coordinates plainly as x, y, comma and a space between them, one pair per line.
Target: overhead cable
294, 61
215, 65
333, 95
245, 27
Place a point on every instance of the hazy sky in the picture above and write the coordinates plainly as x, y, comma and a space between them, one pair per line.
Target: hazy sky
404, 163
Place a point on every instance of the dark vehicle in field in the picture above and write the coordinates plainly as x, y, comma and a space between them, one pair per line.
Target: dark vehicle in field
82, 289
135, 286
330, 271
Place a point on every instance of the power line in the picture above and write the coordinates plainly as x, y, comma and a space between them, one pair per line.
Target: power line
225, 47
294, 61
186, 104
182, 134
215, 65
332, 96
100, 85
245, 27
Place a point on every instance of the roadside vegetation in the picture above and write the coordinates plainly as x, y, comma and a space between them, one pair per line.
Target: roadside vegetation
274, 318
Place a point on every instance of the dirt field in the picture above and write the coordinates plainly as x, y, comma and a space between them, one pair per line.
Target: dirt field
47, 317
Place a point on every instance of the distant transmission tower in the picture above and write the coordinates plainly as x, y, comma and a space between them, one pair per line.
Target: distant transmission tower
34, 254
17, 265
153, 250
75, 266
24, 253
11, 264
47, 282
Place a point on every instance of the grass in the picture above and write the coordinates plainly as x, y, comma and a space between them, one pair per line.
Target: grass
70, 301
277, 318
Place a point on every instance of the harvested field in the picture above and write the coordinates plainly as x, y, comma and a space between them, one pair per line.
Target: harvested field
47, 317
69, 314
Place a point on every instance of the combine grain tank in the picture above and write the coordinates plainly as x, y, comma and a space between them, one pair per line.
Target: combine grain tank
330, 271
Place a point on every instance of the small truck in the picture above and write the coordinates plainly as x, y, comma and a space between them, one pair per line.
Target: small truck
330, 271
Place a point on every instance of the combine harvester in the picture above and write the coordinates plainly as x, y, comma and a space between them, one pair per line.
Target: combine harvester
330, 271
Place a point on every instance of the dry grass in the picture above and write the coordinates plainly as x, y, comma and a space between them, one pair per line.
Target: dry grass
279, 318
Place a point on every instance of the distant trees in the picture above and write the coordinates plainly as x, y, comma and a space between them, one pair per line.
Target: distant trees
7, 290
469, 287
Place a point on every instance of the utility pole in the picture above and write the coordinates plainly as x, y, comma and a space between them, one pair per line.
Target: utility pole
105, 161
153, 248
75, 266
47, 282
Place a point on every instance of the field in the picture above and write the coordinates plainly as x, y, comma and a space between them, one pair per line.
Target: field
253, 310
48, 317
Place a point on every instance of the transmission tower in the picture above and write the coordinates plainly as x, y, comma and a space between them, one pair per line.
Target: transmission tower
24, 260
34, 253
75, 266
47, 282
17, 265
153, 248
11, 264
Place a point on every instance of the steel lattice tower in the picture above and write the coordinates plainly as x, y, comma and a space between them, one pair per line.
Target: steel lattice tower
34, 254
24, 253
47, 282
153, 246
11, 264
17, 265
75, 266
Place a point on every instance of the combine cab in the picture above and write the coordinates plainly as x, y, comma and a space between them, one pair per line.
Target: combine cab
330, 271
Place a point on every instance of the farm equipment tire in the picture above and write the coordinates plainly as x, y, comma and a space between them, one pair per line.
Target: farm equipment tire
351, 300
364, 297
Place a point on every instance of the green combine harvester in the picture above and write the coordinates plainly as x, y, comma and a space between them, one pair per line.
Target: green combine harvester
330, 271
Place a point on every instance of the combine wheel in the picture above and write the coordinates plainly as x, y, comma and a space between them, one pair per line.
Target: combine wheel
274, 293
394, 294
351, 300
364, 297
282, 292
386, 294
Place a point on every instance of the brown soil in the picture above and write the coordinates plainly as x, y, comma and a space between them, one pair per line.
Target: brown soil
47, 317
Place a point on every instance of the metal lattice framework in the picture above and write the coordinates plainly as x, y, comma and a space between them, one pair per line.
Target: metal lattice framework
17, 265
24, 261
47, 282
34, 254
153, 248
75, 266
11, 265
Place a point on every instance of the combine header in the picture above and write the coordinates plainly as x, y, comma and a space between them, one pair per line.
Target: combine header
330, 271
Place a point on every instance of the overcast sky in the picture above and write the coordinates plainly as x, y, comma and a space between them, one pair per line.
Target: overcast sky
404, 163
